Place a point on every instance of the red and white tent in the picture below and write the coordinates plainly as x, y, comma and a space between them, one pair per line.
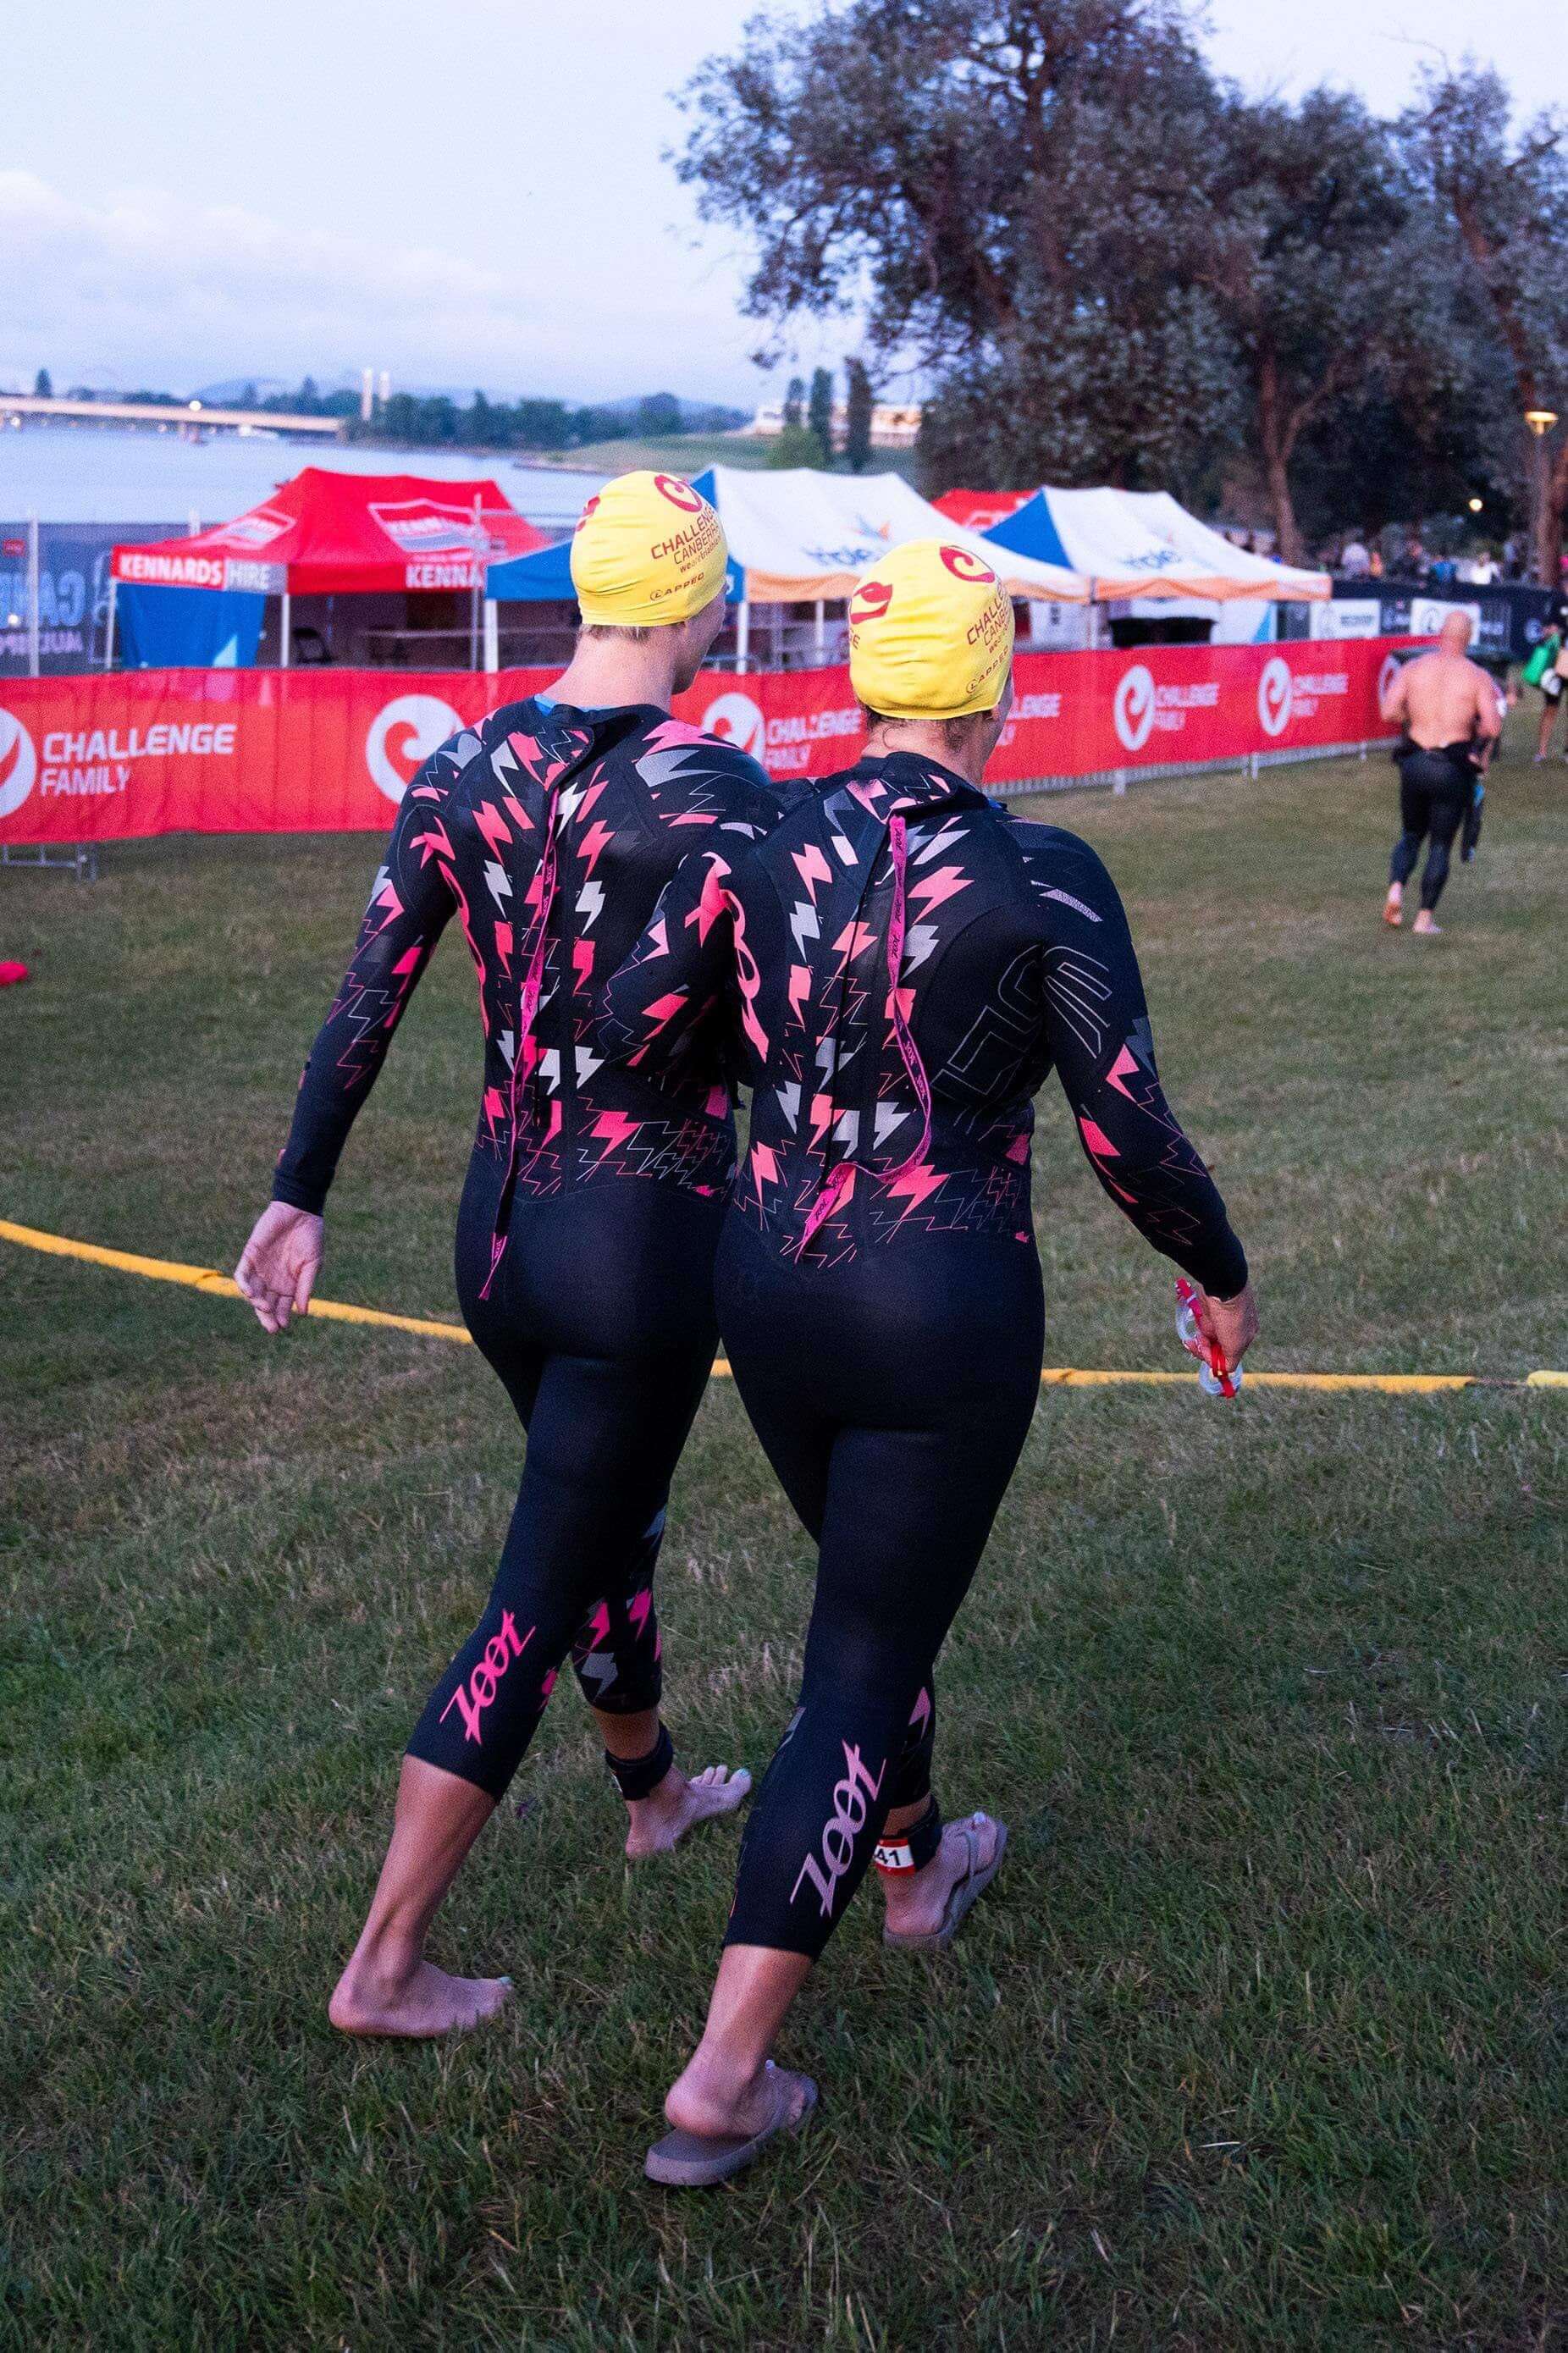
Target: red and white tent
979, 510
325, 533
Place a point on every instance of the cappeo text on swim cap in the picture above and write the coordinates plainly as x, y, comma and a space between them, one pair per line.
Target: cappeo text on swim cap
931, 633
649, 549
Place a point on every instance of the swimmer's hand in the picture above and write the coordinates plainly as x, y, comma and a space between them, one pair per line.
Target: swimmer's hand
1233, 1322
278, 1265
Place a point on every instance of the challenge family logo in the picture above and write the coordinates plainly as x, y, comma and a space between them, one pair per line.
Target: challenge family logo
736, 719
870, 602
1133, 707
592, 508
1275, 694
402, 736
680, 494
19, 764
965, 566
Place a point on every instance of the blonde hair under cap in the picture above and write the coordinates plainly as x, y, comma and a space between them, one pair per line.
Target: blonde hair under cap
648, 550
931, 633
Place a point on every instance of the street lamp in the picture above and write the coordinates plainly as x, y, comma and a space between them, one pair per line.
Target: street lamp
1475, 506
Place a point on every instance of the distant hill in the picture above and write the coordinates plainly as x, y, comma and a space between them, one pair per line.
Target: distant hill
692, 416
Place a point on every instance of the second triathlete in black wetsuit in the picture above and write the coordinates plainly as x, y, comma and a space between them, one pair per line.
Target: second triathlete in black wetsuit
906, 964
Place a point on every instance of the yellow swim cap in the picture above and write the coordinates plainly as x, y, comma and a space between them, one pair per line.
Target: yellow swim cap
648, 549
931, 633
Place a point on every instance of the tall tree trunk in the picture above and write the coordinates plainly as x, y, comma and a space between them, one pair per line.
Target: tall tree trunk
1548, 496
1276, 439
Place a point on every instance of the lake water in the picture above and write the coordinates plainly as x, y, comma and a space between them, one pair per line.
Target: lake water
96, 473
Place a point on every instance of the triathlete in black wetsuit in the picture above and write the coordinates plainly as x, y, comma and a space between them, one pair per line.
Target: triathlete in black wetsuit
1447, 707
907, 964
593, 1204
1436, 789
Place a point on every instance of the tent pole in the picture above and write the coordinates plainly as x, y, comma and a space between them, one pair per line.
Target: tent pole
476, 588
492, 636
821, 630
109, 627
742, 635
33, 597
283, 632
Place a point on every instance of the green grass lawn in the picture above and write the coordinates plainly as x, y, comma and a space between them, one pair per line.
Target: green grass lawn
1262, 2040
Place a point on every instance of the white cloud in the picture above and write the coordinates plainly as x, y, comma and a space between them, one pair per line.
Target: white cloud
146, 287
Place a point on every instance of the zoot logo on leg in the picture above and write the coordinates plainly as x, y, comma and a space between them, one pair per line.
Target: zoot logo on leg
472, 1698
851, 1807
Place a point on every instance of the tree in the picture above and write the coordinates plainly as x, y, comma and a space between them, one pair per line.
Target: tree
793, 401
798, 445
659, 413
1310, 249
1504, 200
43, 385
819, 411
1007, 186
858, 421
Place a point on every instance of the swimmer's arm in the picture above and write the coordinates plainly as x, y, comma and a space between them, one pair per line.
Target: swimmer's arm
1488, 727
410, 902
1096, 1023
1395, 702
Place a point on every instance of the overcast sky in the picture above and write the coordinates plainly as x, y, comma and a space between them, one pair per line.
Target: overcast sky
461, 190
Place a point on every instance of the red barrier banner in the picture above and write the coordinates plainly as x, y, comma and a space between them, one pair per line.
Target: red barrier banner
120, 758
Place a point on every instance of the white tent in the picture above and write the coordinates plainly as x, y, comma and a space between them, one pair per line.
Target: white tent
1131, 544
798, 534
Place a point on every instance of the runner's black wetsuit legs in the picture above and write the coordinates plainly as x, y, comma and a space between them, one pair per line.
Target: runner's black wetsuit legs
892, 1395
600, 1324
1434, 791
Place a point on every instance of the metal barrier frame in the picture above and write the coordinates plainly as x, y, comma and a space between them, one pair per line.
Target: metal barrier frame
1117, 779
80, 858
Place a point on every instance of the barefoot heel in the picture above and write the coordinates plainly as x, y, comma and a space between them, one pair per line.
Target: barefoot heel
961, 1900
684, 2160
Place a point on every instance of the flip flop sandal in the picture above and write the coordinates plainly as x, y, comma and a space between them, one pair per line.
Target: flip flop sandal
685, 2160
962, 1897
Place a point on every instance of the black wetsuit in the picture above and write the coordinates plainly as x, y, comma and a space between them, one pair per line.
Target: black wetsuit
1436, 790
592, 1205
900, 965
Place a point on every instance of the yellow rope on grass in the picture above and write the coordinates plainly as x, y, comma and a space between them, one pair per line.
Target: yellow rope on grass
334, 1310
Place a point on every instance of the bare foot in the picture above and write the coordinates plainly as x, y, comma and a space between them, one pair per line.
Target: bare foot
710, 2100
420, 2002
1392, 906
916, 1901
661, 1820
1425, 927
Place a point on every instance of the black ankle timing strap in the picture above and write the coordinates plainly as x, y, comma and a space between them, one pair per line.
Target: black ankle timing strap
638, 1777
912, 1849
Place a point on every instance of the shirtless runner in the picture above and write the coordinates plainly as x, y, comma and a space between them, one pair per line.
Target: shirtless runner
1448, 708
